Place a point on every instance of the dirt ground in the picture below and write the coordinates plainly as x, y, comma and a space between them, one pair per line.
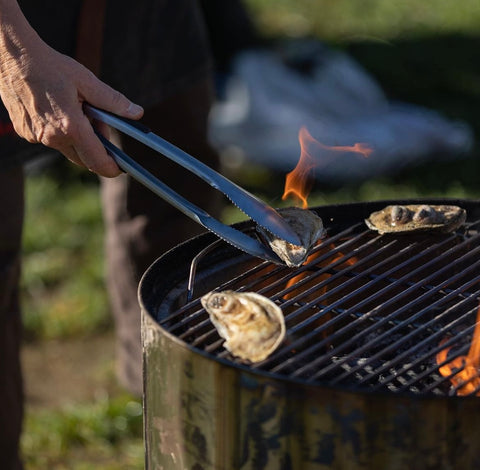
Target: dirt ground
76, 370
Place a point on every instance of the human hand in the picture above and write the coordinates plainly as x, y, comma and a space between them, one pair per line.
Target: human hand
43, 92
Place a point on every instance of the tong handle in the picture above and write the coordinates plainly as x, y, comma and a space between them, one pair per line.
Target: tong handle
254, 207
235, 237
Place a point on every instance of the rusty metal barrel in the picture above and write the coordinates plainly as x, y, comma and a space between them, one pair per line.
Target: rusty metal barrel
203, 411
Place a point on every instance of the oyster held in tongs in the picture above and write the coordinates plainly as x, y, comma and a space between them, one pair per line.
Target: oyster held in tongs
252, 325
309, 227
416, 217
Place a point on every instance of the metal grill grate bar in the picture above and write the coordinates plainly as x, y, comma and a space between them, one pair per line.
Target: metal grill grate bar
396, 345
357, 323
280, 275
368, 300
353, 278
280, 282
255, 275
397, 327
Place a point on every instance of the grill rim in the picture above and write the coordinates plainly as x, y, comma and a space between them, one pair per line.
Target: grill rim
181, 255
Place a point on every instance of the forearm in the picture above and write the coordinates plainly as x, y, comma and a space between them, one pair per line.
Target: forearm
15, 30
10, 12
18, 40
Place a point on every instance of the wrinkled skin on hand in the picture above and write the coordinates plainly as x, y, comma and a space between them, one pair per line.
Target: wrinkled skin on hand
44, 91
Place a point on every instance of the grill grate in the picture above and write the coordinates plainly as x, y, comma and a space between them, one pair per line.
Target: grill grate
366, 312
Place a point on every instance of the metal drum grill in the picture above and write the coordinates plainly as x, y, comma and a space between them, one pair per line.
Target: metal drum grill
358, 384
366, 311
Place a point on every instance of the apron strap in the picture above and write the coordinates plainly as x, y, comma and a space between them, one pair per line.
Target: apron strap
90, 34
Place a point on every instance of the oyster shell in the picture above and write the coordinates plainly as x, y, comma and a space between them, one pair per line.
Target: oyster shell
307, 225
252, 325
416, 217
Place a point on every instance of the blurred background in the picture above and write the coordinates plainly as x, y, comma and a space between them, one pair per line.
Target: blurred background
425, 54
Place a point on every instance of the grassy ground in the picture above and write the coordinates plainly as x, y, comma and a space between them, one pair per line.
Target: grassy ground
77, 416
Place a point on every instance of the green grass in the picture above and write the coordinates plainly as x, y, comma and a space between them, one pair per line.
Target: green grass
106, 434
63, 277
382, 20
420, 52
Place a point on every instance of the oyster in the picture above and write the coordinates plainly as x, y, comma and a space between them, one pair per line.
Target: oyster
416, 217
251, 324
307, 225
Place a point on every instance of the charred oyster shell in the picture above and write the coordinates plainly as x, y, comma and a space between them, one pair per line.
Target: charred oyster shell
416, 217
307, 225
252, 325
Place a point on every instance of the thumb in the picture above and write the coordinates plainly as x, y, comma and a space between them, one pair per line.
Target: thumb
99, 94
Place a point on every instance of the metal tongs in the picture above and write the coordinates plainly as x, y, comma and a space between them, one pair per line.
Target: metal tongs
252, 206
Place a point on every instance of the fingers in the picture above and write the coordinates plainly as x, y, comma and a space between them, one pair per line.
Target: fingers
69, 131
90, 150
74, 136
102, 96
92, 154
109, 169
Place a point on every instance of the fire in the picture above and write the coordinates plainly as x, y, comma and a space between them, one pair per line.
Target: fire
299, 290
467, 379
299, 181
303, 275
298, 184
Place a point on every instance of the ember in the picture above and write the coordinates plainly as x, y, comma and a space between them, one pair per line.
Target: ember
318, 286
338, 260
463, 371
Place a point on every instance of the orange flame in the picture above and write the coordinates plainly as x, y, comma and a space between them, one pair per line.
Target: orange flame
298, 290
299, 181
467, 379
